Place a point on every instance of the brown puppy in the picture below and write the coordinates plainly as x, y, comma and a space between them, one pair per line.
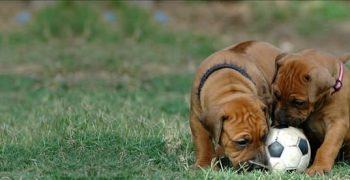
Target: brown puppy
311, 91
229, 99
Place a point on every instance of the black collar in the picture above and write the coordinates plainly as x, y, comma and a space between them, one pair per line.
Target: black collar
218, 67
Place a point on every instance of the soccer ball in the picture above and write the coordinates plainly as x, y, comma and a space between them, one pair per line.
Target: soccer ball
287, 149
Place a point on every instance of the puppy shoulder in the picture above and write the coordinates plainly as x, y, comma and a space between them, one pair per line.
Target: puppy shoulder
241, 47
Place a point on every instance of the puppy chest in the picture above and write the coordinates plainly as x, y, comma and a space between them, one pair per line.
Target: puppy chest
315, 129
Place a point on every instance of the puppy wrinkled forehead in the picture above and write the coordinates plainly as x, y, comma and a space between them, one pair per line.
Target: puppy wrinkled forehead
291, 77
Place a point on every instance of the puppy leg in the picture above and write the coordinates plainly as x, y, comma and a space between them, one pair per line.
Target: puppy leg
328, 151
204, 148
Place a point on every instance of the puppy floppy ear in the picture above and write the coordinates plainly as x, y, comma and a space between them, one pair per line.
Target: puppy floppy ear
212, 121
278, 63
267, 110
280, 58
320, 82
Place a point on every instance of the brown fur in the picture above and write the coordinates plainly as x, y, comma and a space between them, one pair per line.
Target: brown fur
231, 107
302, 89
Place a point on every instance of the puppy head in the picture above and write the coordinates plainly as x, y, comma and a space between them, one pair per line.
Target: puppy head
300, 82
239, 127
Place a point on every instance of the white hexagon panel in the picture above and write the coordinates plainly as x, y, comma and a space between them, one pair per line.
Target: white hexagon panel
291, 157
304, 163
287, 137
276, 164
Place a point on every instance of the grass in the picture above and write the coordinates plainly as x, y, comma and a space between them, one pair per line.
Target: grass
94, 107
309, 19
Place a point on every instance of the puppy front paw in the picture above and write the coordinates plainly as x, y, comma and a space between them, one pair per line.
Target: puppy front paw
318, 170
200, 165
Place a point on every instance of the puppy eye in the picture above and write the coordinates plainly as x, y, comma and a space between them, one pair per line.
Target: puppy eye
298, 103
242, 142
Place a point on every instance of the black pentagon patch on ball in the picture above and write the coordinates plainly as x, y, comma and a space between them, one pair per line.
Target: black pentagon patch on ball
303, 146
275, 149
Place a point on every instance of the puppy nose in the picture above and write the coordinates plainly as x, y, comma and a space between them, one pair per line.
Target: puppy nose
283, 120
259, 162
283, 124
260, 157
225, 162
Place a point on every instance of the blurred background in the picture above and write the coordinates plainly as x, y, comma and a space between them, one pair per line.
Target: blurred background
322, 24
127, 41
140, 38
87, 87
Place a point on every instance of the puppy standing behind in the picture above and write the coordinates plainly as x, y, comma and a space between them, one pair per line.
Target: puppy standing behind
229, 103
311, 91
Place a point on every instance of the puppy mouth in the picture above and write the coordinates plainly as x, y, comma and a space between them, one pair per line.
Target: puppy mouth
249, 165
297, 122
258, 165
224, 162
285, 122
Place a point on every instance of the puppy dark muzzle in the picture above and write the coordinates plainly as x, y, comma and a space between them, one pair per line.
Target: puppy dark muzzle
296, 122
284, 120
280, 119
259, 162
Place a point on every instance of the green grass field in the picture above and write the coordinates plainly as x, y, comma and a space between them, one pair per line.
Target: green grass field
104, 105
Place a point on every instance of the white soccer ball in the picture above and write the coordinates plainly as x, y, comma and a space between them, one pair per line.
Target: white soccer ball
287, 149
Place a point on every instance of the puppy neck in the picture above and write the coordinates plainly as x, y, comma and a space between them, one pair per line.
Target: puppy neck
224, 84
